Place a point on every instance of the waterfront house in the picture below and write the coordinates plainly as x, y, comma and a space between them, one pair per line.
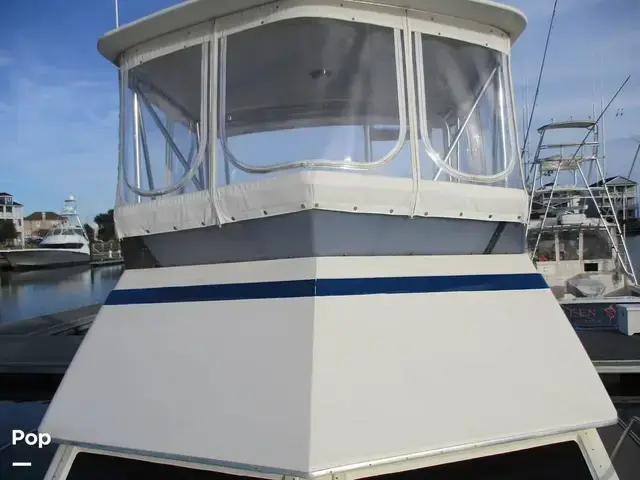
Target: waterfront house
14, 211
624, 196
39, 223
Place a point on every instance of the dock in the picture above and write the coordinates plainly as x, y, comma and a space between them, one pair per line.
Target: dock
105, 262
612, 352
43, 345
106, 253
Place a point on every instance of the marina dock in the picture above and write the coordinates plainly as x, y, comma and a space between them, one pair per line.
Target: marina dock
44, 345
612, 352
105, 262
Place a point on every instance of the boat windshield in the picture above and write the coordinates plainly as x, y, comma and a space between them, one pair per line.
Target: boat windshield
572, 244
66, 229
316, 93
596, 245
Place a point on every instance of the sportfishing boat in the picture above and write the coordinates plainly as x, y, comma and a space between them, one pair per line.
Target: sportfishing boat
574, 235
322, 214
64, 245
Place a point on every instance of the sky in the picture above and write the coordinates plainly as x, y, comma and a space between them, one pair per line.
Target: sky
59, 98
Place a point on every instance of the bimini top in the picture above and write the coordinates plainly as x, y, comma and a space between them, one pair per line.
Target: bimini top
508, 19
567, 124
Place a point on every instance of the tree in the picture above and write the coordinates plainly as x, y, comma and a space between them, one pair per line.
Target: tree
8, 231
91, 234
106, 226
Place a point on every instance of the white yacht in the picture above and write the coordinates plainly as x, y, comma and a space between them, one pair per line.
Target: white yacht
323, 217
64, 245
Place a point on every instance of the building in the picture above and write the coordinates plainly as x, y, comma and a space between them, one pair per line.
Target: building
39, 223
14, 211
624, 197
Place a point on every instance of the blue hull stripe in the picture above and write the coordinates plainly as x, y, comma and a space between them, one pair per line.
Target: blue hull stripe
328, 287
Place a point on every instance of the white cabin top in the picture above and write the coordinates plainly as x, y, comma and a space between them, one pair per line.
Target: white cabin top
395, 108
506, 18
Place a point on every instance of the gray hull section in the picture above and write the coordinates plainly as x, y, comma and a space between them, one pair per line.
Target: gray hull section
44, 258
319, 233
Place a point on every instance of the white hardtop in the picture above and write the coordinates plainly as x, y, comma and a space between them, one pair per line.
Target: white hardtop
508, 19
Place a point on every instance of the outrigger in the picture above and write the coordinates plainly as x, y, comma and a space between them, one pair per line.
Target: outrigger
323, 217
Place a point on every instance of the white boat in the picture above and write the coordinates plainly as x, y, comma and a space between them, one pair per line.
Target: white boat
64, 245
305, 299
574, 235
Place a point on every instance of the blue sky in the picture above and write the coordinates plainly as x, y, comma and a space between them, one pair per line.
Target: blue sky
58, 96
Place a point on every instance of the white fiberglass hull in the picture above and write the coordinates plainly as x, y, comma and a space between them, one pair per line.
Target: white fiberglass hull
45, 258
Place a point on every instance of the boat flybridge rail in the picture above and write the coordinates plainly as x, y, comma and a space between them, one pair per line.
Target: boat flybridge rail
323, 214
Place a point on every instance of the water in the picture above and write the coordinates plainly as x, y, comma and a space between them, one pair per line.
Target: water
36, 293
31, 294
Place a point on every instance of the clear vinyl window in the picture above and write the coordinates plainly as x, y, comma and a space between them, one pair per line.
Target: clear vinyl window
465, 120
316, 93
164, 139
596, 245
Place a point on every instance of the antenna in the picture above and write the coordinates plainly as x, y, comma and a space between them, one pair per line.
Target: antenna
535, 97
604, 146
117, 17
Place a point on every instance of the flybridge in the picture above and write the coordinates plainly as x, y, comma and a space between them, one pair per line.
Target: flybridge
303, 297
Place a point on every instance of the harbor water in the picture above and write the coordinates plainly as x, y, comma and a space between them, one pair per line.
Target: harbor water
43, 292
32, 294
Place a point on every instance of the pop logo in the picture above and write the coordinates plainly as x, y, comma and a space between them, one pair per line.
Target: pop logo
31, 439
